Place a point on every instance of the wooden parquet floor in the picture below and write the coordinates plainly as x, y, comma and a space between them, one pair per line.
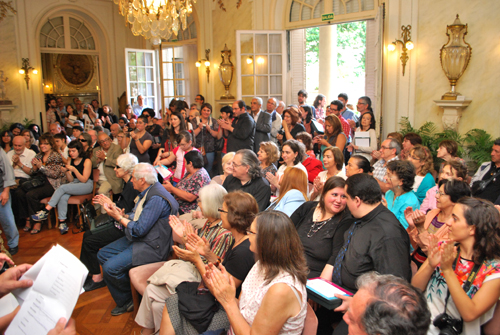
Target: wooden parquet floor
92, 311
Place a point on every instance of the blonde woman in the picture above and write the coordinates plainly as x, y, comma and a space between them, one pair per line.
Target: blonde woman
421, 158
268, 155
293, 191
227, 169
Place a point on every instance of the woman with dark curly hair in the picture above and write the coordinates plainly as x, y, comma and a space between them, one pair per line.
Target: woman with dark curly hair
421, 158
400, 176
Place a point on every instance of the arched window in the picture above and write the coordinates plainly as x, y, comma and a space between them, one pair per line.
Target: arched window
66, 33
187, 34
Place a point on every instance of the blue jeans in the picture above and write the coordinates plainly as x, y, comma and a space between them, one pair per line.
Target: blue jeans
210, 163
9, 224
64, 192
116, 260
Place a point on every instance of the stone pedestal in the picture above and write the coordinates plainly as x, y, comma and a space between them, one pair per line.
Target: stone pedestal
5, 113
452, 112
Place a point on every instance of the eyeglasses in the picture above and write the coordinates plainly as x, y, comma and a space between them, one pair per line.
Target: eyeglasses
439, 193
118, 167
237, 165
103, 141
384, 148
222, 211
83, 140
249, 232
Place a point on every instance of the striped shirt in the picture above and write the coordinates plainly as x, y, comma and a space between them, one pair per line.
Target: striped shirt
219, 238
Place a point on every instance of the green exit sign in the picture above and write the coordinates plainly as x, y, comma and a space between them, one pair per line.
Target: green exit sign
327, 17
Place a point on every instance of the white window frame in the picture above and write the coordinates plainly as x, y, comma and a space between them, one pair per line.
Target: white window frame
284, 85
154, 82
174, 79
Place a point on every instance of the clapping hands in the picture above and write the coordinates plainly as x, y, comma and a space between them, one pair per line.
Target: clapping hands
220, 283
415, 219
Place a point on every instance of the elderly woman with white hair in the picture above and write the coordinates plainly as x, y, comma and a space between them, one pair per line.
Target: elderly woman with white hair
213, 240
148, 236
97, 238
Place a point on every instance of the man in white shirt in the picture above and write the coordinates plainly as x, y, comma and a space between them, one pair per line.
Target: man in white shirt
140, 106
20, 158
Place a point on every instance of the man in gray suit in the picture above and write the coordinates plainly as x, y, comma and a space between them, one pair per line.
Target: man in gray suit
262, 123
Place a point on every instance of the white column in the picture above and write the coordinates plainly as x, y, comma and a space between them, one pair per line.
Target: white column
328, 62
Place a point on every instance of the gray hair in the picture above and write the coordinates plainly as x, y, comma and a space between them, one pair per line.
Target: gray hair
258, 99
275, 101
249, 158
211, 197
394, 144
282, 104
127, 162
395, 308
146, 171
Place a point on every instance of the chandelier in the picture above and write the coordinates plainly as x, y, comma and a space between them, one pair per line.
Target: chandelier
155, 19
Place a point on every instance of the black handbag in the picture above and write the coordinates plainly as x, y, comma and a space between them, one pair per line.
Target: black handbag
92, 221
34, 182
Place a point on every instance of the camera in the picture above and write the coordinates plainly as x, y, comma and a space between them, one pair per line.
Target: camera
448, 325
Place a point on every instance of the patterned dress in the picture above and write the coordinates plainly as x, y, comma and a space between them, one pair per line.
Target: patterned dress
192, 185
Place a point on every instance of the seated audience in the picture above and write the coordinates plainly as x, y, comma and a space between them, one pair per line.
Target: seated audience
185, 145
307, 118
6, 140
35, 129
386, 304
61, 147
148, 236
77, 130
115, 130
247, 177
86, 141
462, 281
227, 168
447, 150
367, 124
155, 131
186, 190
293, 191
276, 284
333, 159
293, 153
79, 176
30, 140
421, 158
212, 242
389, 151
268, 155
312, 165
291, 125
400, 176
334, 136
47, 165
107, 117
129, 112
93, 240
124, 141
357, 164
450, 170
123, 123
409, 141
485, 184
422, 225
141, 140
16, 128
21, 158
104, 160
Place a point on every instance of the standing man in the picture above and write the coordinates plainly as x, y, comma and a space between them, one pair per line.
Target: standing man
241, 130
335, 107
302, 97
364, 105
488, 173
389, 151
200, 100
7, 220
275, 119
140, 106
346, 112
262, 123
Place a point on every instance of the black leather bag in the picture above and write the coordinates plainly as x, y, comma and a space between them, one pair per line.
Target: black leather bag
34, 182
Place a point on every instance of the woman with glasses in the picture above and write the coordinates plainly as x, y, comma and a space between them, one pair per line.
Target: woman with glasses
186, 190
400, 176
273, 296
155, 131
86, 140
141, 140
461, 277
79, 175
93, 241
212, 242
422, 226
421, 158
46, 166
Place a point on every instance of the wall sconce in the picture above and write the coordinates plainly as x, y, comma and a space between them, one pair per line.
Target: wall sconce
249, 60
406, 45
260, 60
25, 69
206, 61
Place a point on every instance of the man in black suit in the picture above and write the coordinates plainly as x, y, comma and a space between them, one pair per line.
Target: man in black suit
241, 130
262, 123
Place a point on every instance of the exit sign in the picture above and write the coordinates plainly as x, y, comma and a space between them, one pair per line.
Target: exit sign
327, 17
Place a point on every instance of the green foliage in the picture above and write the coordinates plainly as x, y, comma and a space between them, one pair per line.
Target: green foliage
351, 39
475, 146
25, 122
312, 45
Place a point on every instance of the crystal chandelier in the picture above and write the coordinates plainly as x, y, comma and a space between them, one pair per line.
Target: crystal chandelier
155, 19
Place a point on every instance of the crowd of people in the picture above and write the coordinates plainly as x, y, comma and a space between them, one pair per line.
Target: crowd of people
284, 194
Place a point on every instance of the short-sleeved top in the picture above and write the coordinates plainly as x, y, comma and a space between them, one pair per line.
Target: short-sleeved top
325, 243
143, 158
80, 167
437, 289
271, 168
180, 167
398, 205
298, 128
192, 185
379, 243
239, 261
220, 239
379, 170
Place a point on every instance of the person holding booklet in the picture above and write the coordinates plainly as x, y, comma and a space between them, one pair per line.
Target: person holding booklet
365, 137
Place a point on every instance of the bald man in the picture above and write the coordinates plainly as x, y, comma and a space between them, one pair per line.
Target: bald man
93, 134
21, 158
115, 129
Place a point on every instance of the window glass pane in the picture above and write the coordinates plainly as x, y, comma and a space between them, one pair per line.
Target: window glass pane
179, 87
247, 85
148, 58
276, 84
262, 85
134, 92
141, 75
319, 9
248, 100
168, 71
306, 13
295, 12
245, 67
261, 43
168, 88
60, 42
132, 73
168, 55
274, 43
140, 58
131, 59
142, 88
150, 88
91, 43
261, 64
275, 64
150, 102
179, 70
179, 54
277, 97
149, 74
246, 41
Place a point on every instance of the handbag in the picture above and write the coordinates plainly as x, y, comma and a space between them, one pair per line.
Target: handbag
34, 182
92, 221
197, 306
